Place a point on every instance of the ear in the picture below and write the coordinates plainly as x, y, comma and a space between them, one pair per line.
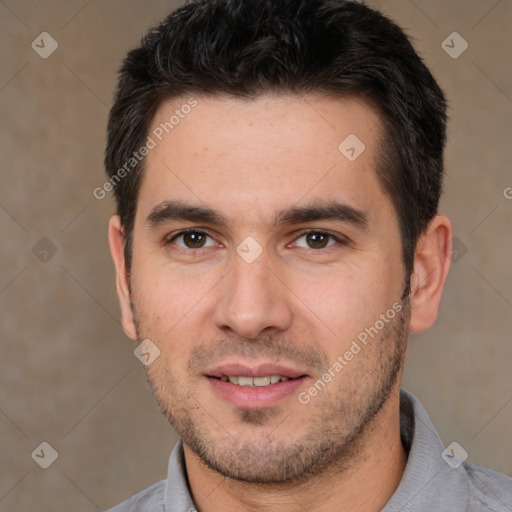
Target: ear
431, 264
116, 242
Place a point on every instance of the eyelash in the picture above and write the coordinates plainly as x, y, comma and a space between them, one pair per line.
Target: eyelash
339, 239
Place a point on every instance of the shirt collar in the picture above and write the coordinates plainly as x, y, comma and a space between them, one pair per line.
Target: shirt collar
177, 491
428, 482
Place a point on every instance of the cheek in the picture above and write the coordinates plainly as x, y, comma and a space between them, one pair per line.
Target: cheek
347, 301
170, 310
166, 297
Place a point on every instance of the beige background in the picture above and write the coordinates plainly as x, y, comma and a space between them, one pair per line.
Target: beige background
68, 373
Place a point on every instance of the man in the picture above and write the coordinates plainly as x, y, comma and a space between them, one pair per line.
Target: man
277, 168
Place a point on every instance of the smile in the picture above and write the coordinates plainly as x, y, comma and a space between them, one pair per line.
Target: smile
254, 382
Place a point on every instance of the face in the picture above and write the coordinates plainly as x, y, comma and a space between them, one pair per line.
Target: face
267, 269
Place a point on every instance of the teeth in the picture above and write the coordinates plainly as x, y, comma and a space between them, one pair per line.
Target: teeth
261, 381
250, 382
245, 381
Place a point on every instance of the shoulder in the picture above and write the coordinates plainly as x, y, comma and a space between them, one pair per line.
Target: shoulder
150, 499
488, 489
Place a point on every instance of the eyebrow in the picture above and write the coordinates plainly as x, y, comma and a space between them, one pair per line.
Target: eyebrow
332, 210
169, 211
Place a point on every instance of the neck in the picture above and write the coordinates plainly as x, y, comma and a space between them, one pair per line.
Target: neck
365, 484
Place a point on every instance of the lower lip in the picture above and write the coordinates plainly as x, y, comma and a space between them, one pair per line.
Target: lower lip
256, 397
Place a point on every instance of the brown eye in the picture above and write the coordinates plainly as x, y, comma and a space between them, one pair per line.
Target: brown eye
192, 240
316, 240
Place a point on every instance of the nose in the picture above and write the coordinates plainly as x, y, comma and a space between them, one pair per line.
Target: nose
252, 300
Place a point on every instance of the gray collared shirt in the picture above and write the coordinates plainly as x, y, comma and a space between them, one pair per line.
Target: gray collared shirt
432, 481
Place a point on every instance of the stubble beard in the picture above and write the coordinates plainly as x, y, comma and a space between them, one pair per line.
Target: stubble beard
331, 438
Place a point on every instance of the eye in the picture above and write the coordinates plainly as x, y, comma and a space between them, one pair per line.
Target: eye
192, 239
316, 240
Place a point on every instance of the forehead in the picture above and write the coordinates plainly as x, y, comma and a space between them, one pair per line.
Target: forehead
273, 150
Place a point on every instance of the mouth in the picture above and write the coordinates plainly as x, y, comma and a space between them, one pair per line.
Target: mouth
255, 387
254, 382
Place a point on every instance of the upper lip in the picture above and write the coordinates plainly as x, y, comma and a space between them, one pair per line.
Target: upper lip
254, 370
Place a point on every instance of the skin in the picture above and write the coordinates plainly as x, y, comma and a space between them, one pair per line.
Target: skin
299, 303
